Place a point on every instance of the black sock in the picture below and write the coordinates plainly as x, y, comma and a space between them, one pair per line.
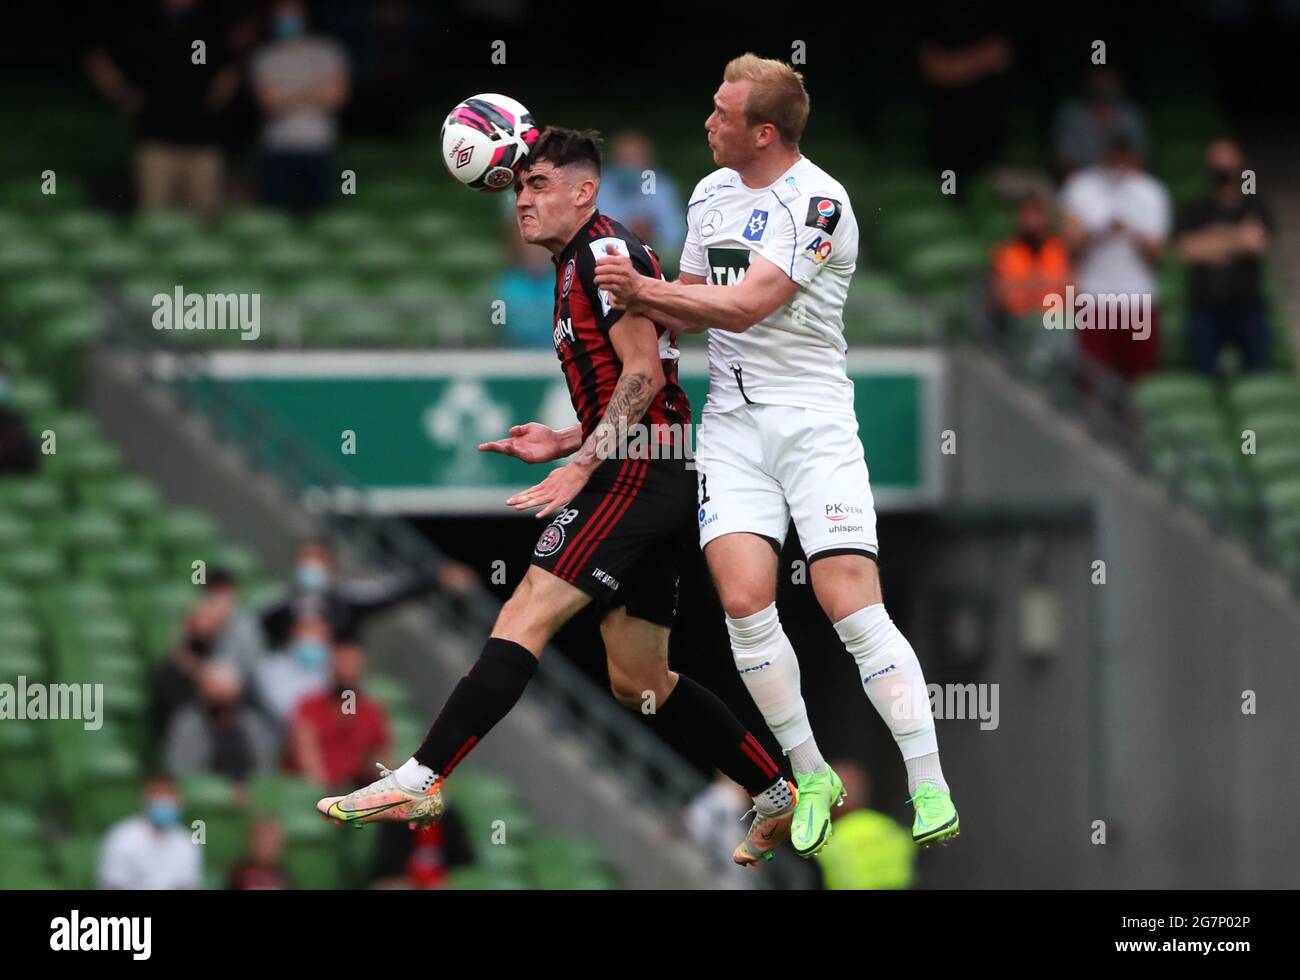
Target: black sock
694, 716
482, 698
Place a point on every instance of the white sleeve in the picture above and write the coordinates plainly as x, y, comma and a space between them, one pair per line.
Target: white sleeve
693, 259
114, 869
808, 233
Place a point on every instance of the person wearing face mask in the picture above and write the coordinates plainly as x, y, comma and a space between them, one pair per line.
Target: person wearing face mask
219, 733
1029, 266
215, 630
301, 81
338, 732
18, 453
1224, 238
301, 668
153, 849
347, 604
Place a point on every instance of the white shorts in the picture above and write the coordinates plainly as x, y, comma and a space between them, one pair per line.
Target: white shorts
757, 466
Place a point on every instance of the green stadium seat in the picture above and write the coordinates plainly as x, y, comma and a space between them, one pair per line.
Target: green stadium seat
157, 611
44, 294
212, 799
181, 533
281, 795
1272, 429
342, 227
122, 567
78, 859
313, 852
950, 264
21, 637
203, 258
429, 227
32, 565
15, 530
79, 228
23, 755
166, 228
33, 397
131, 498
1266, 393
32, 497
14, 603
1170, 391
19, 258
256, 227
113, 259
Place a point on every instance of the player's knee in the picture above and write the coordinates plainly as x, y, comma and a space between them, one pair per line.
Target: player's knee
632, 688
741, 600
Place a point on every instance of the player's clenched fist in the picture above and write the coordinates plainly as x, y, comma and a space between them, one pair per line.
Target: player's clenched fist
616, 275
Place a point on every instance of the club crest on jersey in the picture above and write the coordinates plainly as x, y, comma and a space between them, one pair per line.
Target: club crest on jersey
824, 214
756, 225
568, 279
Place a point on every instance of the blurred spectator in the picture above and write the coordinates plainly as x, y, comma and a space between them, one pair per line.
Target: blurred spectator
177, 102
347, 605
964, 59
263, 867
301, 82
1030, 266
338, 734
1116, 223
527, 287
1224, 237
1084, 127
18, 450
151, 850
657, 218
870, 851
217, 630
220, 733
421, 858
285, 677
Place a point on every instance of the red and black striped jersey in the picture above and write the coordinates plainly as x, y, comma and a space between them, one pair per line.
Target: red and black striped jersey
583, 318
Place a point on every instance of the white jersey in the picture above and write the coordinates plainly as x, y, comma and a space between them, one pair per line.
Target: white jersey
804, 225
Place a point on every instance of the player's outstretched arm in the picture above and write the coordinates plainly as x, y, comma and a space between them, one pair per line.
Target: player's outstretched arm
536, 443
765, 289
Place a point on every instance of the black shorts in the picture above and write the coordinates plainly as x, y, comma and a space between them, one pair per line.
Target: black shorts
621, 539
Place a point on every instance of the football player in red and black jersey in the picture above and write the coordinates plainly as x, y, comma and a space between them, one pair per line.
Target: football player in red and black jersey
620, 509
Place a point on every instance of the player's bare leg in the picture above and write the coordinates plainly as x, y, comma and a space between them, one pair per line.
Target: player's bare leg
540, 605
744, 569
848, 589
685, 713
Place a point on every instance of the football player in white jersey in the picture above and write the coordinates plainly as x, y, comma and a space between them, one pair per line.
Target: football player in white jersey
771, 244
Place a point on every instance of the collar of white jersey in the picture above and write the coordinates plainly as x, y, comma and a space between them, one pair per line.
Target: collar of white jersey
785, 187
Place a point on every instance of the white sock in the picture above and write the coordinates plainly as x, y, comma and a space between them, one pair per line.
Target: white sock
891, 676
925, 769
414, 777
770, 670
806, 757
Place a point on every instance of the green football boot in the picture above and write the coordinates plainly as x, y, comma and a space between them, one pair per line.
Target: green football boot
811, 827
936, 818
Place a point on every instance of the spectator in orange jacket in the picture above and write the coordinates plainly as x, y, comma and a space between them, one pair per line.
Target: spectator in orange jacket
1030, 266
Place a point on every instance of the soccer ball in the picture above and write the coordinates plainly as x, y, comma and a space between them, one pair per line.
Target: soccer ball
485, 141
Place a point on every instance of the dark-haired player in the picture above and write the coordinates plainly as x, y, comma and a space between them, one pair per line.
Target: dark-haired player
618, 516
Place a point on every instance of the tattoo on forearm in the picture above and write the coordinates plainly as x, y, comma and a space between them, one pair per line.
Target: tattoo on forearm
632, 396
